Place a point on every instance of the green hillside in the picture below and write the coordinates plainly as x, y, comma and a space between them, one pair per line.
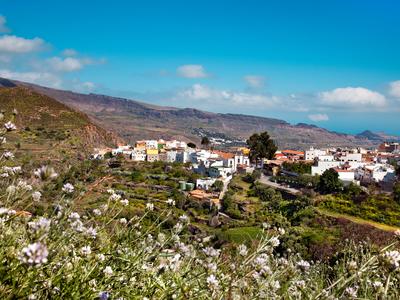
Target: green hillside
48, 129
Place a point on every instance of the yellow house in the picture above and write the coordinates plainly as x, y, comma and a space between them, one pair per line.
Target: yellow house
152, 151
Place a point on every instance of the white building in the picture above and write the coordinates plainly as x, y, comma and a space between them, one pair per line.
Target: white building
138, 155
205, 183
313, 153
376, 173
171, 156
151, 144
123, 149
346, 175
175, 144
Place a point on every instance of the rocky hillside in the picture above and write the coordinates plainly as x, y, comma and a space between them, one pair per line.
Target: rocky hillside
134, 120
46, 126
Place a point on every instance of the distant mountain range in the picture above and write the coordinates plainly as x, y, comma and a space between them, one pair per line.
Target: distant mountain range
133, 120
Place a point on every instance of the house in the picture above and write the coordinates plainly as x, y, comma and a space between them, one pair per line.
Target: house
162, 156
389, 147
293, 154
205, 183
346, 175
220, 171
140, 145
151, 144
312, 153
171, 156
122, 149
138, 155
152, 155
376, 173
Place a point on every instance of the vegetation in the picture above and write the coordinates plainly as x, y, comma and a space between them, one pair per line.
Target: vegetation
379, 208
329, 182
205, 141
261, 146
88, 231
396, 192
191, 145
298, 167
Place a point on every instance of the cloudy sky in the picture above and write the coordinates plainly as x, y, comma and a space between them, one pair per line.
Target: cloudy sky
331, 63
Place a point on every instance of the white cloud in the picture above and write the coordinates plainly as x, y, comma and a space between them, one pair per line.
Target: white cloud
192, 71
203, 93
15, 44
255, 81
44, 78
86, 86
394, 89
3, 27
352, 97
69, 52
318, 117
68, 64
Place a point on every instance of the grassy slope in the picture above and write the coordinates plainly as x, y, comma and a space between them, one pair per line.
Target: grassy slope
48, 129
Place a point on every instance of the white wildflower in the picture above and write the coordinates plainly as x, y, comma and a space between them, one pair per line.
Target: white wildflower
150, 206
91, 231
171, 202
242, 249
108, 271
45, 172
123, 221
74, 216
211, 252
68, 188
303, 265
101, 257
42, 224
97, 212
274, 241
392, 259
36, 196
34, 254
86, 251
8, 155
184, 218
114, 197
212, 281
10, 126
351, 292
124, 202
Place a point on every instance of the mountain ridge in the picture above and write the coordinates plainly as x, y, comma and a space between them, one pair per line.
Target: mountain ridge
134, 120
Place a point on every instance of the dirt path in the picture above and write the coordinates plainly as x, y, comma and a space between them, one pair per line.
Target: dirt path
358, 220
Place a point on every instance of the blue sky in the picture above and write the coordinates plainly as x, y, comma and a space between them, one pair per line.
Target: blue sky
331, 63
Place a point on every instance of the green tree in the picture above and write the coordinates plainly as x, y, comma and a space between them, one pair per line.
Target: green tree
191, 145
261, 146
353, 190
218, 186
396, 192
329, 182
205, 141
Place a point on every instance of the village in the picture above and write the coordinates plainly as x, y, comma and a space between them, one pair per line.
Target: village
358, 166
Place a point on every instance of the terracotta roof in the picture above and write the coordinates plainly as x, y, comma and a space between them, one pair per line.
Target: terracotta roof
293, 152
224, 155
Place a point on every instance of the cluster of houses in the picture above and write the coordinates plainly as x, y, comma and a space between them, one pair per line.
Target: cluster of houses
211, 164
353, 165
